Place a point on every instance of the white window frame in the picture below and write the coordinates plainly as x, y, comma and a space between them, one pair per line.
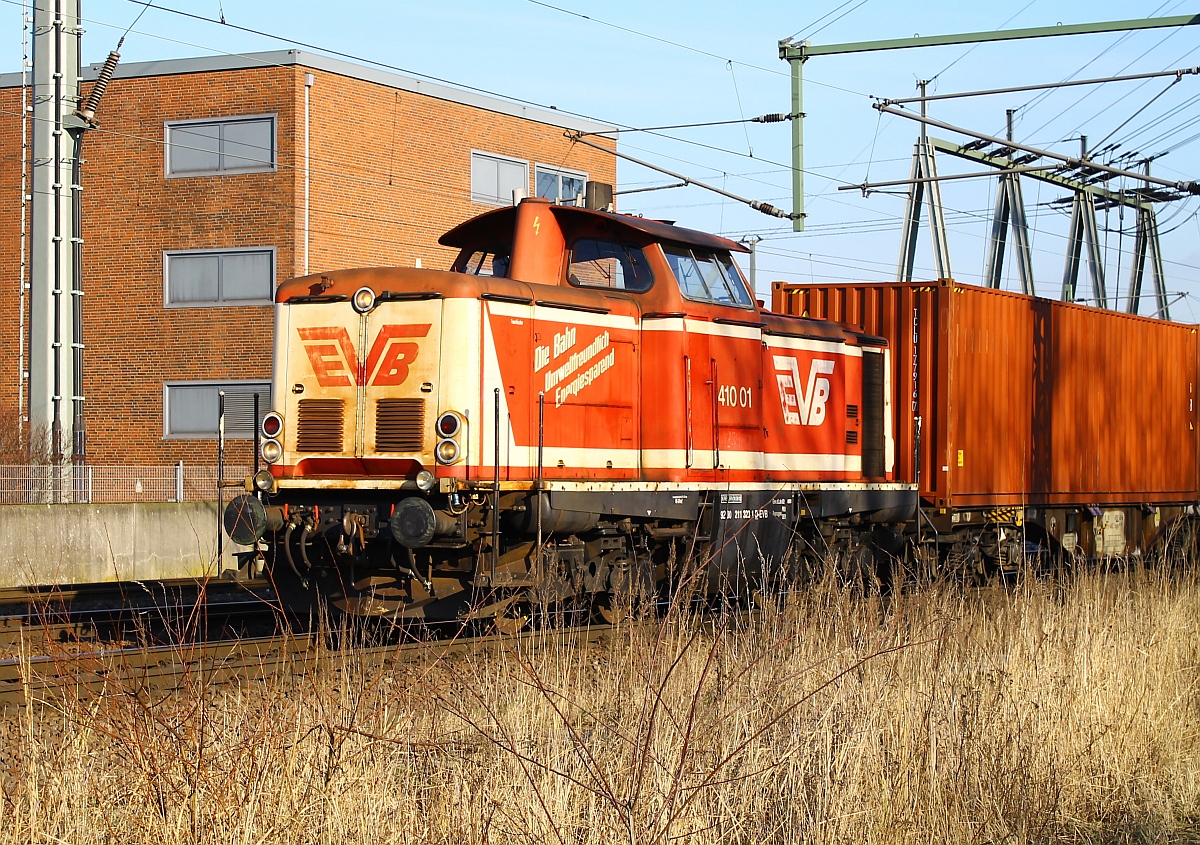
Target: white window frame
559, 172
480, 199
263, 408
265, 168
169, 253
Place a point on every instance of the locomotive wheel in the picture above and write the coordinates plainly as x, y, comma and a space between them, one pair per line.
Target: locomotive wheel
857, 568
611, 609
511, 621
771, 599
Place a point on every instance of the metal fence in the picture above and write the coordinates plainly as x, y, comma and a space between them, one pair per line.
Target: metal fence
85, 483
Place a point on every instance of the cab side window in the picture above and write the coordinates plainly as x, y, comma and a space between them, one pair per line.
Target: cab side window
707, 276
484, 262
609, 264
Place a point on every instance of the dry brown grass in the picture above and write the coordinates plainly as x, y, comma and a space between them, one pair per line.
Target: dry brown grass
18, 445
1048, 712
13, 449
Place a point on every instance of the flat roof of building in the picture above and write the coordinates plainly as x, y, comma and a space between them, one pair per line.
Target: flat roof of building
328, 64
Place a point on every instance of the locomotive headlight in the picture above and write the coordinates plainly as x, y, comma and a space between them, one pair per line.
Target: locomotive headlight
264, 481
272, 424
364, 300
271, 451
449, 424
447, 451
425, 480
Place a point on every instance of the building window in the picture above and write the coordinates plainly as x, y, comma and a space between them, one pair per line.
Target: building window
206, 147
495, 177
190, 408
219, 277
555, 184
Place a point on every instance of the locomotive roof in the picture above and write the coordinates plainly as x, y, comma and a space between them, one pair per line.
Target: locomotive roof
494, 227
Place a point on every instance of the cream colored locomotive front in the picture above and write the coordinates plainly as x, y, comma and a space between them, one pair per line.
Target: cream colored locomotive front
367, 395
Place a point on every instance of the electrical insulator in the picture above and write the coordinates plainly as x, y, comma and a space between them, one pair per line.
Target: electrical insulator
88, 112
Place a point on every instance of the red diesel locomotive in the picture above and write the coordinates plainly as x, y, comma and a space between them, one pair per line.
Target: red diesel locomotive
582, 405
588, 404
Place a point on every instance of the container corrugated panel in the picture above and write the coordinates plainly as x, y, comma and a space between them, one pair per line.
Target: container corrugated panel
1022, 400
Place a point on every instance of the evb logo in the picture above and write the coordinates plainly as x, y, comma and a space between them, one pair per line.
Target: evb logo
800, 406
335, 361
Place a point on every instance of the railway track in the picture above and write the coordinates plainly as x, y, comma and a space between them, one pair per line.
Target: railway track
136, 612
54, 680
59, 644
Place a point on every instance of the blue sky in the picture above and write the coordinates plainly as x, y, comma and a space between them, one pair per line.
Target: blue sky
615, 65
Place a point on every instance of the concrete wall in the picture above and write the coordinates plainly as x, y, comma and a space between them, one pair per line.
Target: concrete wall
73, 544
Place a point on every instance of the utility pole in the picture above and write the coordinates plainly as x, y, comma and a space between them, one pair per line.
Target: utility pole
56, 350
751, 242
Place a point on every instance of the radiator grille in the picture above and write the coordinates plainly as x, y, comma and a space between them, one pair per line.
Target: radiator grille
852, 436
399, 425
320, 425
852, 411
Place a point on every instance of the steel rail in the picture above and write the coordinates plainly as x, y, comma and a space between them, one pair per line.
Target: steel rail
59, 592
73, 674
52, 679
129, 610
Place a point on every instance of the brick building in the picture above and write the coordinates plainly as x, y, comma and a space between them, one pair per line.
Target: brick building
210, 180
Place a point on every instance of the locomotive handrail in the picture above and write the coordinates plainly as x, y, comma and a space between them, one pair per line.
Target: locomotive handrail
408, 296
571, 306
507, 297
318, 298
663, 315
729, 321
803, 335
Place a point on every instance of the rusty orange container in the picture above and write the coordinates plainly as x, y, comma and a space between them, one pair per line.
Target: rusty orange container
1004, 399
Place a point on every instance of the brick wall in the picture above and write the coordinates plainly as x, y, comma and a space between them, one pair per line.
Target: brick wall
389, 172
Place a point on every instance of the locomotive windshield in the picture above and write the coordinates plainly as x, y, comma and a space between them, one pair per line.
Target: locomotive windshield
609, 264
707, 276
